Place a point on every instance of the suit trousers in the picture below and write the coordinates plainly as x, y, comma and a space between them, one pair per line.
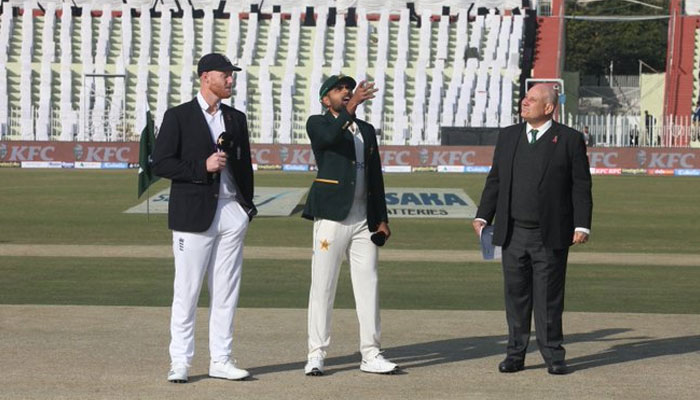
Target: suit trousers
217, 252
534, 276
332, 241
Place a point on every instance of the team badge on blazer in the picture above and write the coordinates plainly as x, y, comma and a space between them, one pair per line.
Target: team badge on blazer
555, 139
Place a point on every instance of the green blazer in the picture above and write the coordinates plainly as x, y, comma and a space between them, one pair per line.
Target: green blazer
332, 191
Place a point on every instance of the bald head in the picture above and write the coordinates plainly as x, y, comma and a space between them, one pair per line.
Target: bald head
539, 104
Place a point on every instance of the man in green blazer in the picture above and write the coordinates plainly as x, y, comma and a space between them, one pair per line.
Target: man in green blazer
347, 204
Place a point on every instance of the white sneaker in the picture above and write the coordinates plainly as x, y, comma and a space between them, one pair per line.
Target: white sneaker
227, 370
314, 367
379, 365
178, 373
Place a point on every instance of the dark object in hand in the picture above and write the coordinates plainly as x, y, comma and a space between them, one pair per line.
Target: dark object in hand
378, 238
225, 142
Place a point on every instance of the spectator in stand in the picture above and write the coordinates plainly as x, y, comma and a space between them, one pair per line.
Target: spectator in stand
586, 136
696, 114
649, 122
634, 136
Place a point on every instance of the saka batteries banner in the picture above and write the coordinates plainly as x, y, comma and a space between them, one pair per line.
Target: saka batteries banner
270, 201
401, 202
429, 203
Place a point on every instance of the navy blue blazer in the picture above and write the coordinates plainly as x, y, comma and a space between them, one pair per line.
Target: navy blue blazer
182, 147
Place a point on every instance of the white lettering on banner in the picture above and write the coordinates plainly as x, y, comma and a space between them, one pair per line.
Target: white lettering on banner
260, 156
453, 157
302, 156
30, 153
607, 159
393, 157
670, 160
105, 154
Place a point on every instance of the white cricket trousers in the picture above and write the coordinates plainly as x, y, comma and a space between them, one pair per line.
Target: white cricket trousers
332, 240
217, 252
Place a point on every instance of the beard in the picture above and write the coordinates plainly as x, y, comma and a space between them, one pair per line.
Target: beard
222, 92
338, 107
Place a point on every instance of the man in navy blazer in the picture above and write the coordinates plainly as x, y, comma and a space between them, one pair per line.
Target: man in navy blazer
210, 206
539, 191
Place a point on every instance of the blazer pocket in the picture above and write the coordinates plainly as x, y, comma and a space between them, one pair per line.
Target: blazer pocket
331, 181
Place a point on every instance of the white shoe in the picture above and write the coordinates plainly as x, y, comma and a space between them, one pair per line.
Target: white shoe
178, 373
379, 365
227, 370
314, 367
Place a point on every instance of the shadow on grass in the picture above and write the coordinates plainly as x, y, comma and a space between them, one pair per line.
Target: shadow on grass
421, 355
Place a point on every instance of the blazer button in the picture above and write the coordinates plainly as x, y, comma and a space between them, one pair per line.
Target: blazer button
216, 195
353, 163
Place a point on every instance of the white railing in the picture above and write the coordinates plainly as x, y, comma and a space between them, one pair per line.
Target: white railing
601, 130
115, 127
637, 130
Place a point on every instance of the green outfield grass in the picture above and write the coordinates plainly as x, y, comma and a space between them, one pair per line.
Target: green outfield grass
631, 213
284, 284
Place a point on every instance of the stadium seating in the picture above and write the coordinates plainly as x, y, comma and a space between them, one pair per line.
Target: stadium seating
453, 70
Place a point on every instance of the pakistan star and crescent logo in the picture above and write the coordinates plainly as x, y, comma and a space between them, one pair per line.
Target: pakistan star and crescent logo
325, 244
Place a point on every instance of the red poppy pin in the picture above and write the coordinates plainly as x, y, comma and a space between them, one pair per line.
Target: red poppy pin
228, 117
555, 139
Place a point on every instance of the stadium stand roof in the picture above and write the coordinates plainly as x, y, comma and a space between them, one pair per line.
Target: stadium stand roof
341, 5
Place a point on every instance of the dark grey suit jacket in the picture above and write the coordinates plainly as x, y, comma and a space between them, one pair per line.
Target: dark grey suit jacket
564, 190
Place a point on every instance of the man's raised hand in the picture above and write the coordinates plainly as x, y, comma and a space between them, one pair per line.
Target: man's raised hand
364, 91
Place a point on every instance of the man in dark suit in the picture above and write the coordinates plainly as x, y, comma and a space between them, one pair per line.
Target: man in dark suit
539, 190
210, 206
347, 204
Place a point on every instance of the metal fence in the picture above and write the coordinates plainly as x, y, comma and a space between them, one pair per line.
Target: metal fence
600, 130
102, 126
637, 130
605, 80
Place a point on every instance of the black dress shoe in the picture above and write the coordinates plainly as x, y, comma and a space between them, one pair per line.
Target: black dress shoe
558, 368
508, 365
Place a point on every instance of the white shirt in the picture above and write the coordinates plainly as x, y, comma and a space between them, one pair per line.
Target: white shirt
216, 126
541, 130
359, 203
